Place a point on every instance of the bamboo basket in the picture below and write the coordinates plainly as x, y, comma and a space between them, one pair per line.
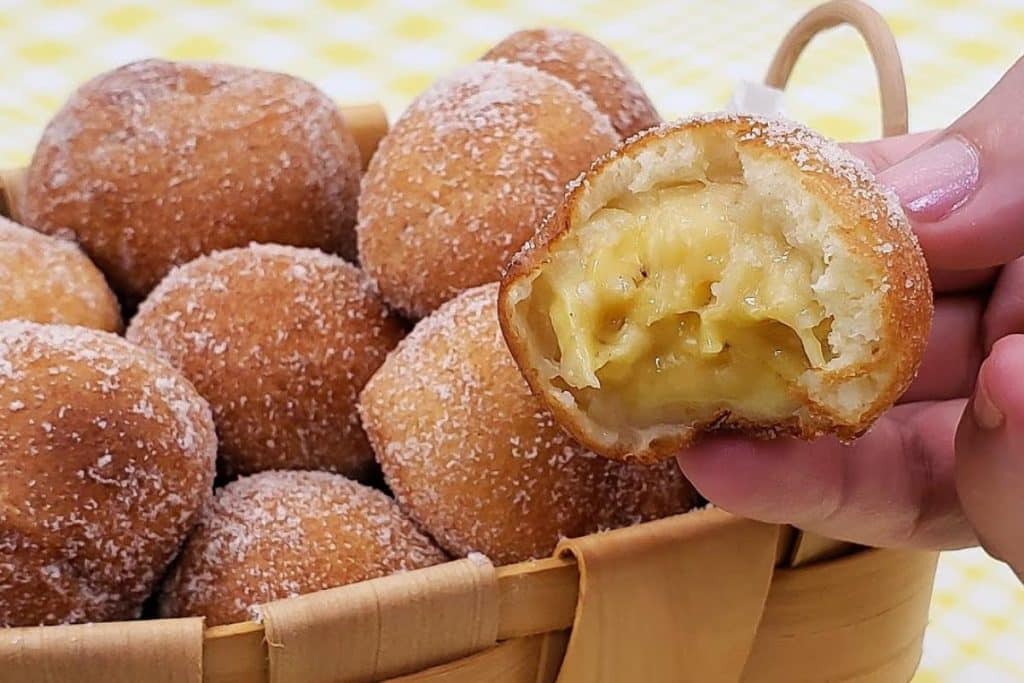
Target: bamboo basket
703, 596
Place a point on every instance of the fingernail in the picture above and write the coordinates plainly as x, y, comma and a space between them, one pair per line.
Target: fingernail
986, 412
935, 181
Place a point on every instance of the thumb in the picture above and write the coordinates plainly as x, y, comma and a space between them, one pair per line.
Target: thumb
962, 187
989, 466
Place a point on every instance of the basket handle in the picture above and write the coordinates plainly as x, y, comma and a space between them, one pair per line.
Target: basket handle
880, 42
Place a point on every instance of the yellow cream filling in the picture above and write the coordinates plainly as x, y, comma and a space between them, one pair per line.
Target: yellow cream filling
680, 298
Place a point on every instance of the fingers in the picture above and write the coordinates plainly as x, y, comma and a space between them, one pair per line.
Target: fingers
989, 467
881, 154
962, 335
954, 351
1005, 314
893, 487
962, 280
961, 189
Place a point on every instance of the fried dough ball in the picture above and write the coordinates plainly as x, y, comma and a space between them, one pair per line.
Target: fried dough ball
106, 457
465, 177
721, 273
155, 163
49, 280
587, 65
476, 460
280, 534
280, 340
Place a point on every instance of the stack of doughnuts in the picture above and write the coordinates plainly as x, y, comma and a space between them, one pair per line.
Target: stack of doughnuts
224, 451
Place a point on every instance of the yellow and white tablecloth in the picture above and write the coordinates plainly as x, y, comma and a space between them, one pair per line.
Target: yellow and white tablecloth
688, 53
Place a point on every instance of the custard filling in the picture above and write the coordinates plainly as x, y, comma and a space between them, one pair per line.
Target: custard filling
681, 299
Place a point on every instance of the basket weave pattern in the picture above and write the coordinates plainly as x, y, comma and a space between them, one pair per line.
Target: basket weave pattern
697, 597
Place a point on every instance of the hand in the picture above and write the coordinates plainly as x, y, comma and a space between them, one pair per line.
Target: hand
945, 467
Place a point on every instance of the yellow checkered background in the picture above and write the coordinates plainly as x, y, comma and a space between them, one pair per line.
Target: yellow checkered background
687, 53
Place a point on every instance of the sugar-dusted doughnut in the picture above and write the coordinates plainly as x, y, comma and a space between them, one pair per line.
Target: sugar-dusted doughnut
588, 66
106, 457
49, 280
465, 177
155, 163
280, 534
721, 273
280, 340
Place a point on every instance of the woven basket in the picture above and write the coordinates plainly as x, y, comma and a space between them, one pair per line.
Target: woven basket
697, 597
704, 596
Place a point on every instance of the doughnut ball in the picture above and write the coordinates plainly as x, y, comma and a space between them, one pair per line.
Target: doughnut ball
588, 66
49, 280
280, 340
723, 273
279, 534
156, 163
465, 177
106, 458
476, 460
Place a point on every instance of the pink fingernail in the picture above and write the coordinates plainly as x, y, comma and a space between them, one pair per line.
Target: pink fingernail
935, 181
986, 412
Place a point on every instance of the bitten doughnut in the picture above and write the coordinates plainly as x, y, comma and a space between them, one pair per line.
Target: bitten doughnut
155, 163
280, 534
466, 175
49, 280
106, 457
280, 340
477, 461
721, 273
588, 66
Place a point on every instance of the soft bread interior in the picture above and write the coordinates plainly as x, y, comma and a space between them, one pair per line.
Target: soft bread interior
701, 279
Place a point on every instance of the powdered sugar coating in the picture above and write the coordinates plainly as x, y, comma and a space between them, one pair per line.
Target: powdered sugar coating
155, 163
49, 280
588, 66
465, 176
106, 456
280, 534
473, 457
280, 340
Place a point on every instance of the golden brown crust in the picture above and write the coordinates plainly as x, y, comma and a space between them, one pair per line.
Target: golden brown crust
155, 163
466, 174
49, 280
874, 226
280, 534
588, 66
280, 340
106, 457
474, 458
